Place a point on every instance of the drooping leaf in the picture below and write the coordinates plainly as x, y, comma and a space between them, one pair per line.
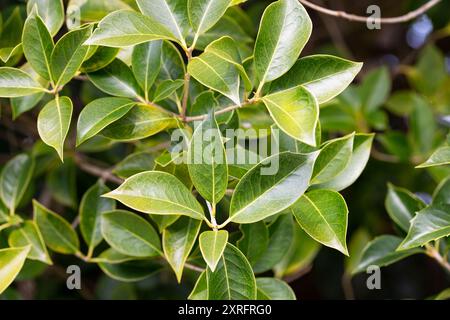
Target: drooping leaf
54, 121
100, 113
146, 62
17, 83
14, 180
274, 289
284, 30
51, 12
58, 234
402, 206
430, 223
130, 234
212, 245
178, 240
233, 278
271, 193
91, 208
323, 214
382, 252
439, 158
157, 193
323, 75
11, 262
296, 112
254, 241
29, 235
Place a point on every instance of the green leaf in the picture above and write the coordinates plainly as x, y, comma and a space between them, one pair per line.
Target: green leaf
91, 208
133, 164
11, 262
359, 156
381, 252
296, 112
69, 54
324, 76
28, 235
116, 79
402, 206
51, 11
271, 193
207, 161
233, 278
375, 89
127, 28
140, 122
130, 271
130, 234
254, 240
100, 113
212, 245
112, 256
284, 30
15, 179
274, 289
99, 60
359, 240
323, 214
58, 234
430, 223
204, 14
219, 68
166, 88
422, 126
37, 45
178, 240
146, 63
442, 192
17, 83
200, 291
172, 14
439, 158
333, 159
157, 192
62, 184
10, 46
54, 122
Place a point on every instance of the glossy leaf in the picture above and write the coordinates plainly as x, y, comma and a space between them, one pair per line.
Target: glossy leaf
274, 289
254, 240
146, 61
157, 193
100, 113
284, 30
212, 245
51, 12
11, 262
439, 158
99, 60
200, 290
178, 240
54, 122
204, 14
323, 214
57, 232
166, 89
17, 83
130, 234
133, 164
130, 271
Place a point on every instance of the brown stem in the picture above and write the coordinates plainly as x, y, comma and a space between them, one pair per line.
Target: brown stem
102, 173
434, 253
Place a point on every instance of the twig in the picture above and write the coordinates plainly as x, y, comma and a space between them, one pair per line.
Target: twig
192, 267
292, 277
102, 173
391, 20
433, 253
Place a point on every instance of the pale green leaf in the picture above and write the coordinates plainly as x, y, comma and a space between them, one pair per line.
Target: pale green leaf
439, 158
11, 262
212, 245
204, 14
51, 12
17, 83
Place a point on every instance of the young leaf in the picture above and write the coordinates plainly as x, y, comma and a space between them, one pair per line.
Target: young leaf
323, 214
116, 79
58, 234
28, 235
91, 208
170, 13
296, 112
11, 262
273, 289
130, 234
37, 45
382, 252
212, 245
254, 241
200, 291
178, 240
125, 28
204, 14
284, 30
100, 113
430, 223
233, 278
146, 62
207, 161
157, 193
54, 121
51, 11
68, 55
323, 75
439, 158
17, 83
271, 193
333, 159
402, 206
14, 180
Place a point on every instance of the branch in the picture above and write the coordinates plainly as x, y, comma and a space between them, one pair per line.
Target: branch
352, 17
102, 173
433, 253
